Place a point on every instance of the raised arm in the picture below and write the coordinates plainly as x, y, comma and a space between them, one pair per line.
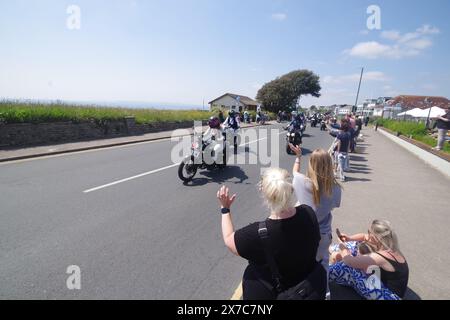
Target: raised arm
227, 223
297, 163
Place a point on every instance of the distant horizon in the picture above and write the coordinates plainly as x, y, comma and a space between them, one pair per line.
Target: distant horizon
114, 103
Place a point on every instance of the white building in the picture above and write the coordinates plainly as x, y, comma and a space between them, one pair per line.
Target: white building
344, 110
235, 101
367, 108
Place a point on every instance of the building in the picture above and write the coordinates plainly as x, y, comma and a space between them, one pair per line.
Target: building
344, 109
407, 102
367, 108
234, 101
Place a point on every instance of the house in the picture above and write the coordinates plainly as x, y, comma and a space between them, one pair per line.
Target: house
367, 108
235, 101
343, 110
407, 102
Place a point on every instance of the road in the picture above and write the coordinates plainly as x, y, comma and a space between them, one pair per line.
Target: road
150, 237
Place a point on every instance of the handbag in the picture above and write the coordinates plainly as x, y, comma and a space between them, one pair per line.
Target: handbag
314, 287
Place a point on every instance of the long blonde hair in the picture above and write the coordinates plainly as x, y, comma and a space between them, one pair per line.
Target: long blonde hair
321, 173
277, 190
384, 233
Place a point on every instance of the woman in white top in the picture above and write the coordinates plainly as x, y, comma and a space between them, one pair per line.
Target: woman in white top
319, 190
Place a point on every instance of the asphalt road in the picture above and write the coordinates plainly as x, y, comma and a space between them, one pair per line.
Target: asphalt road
146, 238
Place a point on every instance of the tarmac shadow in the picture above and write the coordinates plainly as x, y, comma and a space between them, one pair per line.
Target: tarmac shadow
349, 179
305, 152
357, 158
228, 175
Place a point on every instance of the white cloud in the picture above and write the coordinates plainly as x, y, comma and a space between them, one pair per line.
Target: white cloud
391, 35
405, 45
279, 16
427, 29
352, 78
369, 50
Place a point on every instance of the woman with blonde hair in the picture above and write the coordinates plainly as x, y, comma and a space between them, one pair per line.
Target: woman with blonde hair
319, 190
386, 258
292, 235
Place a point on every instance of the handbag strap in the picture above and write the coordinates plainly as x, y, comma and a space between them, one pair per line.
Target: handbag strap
264, 236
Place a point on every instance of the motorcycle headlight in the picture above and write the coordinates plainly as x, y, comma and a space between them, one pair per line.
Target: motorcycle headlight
292, 134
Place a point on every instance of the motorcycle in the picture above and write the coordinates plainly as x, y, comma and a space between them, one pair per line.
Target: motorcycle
323, 126
294, 136
204, 155
260, 119
231, 134
302, 128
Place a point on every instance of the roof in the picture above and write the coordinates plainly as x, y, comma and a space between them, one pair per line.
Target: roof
411, 102
243, 99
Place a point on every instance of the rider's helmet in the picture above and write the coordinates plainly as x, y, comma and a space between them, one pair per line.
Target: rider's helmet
214, 123
232, 113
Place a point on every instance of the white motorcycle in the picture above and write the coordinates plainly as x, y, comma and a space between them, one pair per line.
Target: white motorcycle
207, 154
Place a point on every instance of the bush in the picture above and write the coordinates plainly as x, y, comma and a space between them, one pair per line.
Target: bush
19, 112
415, 130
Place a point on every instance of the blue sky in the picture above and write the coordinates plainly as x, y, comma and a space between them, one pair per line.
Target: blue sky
187, 51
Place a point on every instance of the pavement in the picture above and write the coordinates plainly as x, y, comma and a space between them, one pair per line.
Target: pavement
148, 236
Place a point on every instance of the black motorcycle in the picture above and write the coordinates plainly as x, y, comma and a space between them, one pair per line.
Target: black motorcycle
294, 136
323, 126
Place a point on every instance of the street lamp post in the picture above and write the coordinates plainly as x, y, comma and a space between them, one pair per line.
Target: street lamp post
359, 87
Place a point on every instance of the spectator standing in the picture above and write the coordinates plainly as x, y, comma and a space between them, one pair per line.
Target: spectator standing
443, 125
319, 190
293, 234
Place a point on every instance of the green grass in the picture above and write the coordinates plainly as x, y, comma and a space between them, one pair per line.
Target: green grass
415, 130
18, 112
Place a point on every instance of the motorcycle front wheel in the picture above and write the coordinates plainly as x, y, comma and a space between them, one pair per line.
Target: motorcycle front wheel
187, 170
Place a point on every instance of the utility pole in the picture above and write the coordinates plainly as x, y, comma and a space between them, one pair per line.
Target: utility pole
359, 87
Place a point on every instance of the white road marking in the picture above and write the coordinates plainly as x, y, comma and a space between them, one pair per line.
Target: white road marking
151, 172
130, 178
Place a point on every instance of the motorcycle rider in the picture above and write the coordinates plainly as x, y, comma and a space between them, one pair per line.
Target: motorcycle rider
296, 122
232, 122
214, 136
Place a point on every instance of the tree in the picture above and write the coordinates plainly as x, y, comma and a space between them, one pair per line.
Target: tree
284, 92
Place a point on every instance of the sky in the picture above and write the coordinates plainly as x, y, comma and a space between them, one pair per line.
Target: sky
187, 52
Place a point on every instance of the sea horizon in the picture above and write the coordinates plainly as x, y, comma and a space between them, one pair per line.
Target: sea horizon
115, 104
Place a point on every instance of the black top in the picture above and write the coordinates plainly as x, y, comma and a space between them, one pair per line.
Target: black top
294, 243
359, 124
396, 281
344, 137
442, 124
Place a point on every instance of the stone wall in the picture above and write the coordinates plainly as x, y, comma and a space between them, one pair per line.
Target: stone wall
27, 134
